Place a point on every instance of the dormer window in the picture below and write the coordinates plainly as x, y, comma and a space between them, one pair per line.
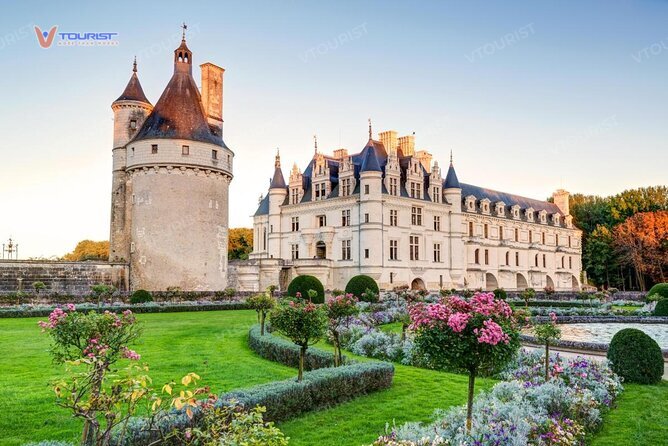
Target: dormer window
484, 205
500, 209
516, 212
556, 219
543, 216
530, 214
133, 124
470, 203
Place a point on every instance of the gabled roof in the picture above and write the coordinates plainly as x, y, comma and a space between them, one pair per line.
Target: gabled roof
178, 114
133, 91
509, 199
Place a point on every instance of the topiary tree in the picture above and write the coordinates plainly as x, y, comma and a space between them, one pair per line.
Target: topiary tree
475, 336
661, 308
636, 357
358, 285
546, 333
658, 292
500, 293
140, 297
302, 284
527, 295
262, 303
339, 309
38, 286
101, 292
303, 323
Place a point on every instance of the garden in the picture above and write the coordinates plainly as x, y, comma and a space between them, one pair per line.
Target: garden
359, 367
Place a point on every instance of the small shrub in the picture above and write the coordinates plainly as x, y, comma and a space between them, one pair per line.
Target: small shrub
500, 293
338, 292
230, 292
370, 296
658, 292
302, 284
636, 357
140, 297
661, 308
261, 303
38, 286
358, 285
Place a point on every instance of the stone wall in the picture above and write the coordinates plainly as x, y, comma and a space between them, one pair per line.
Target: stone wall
73, 278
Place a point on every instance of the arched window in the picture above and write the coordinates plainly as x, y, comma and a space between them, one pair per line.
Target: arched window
536, 261
517, 259
570, 262
477, 257
544, 261
508, 258
563, 262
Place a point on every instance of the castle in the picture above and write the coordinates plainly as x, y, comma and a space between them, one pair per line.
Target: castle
387, 212
171, 177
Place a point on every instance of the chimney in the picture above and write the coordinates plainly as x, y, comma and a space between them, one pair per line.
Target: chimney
212, 95
340, 154
389, 140
561, 200
425, 158
407, 145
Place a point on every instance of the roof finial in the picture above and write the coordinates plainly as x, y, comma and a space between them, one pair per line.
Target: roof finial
277, 163
451, 157
134, 65
315, 143
185, 27
370, 131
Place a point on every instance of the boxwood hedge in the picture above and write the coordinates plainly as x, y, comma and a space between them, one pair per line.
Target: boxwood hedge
302, 285
358, 285
636, 357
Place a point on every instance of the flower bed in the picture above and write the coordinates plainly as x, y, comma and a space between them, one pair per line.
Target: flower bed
524, 409
150, 307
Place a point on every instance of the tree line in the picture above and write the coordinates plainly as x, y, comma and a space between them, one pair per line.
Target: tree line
625, 237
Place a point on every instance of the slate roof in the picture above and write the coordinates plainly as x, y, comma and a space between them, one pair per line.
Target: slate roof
509, 199
133, 91
277, 182
451, 180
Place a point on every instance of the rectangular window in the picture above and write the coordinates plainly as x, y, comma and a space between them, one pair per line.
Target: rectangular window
345, 187
366, 253
391, 277
366, 218
394, 186
435, 194
133, 124
530, 236
543, 238
345, 217
517, 259
544, 261
416, 216
415, 247
486, 256
556, 239
570, 262
500, 232
437, 252
569, 241
366, 189
517, 235
294, 196
214, 154
295, 224
295, 252
185, 150
320, 191
394, 250
132, 152
394, 217
322, 221
154, 148
345, 250
470, 229
437, 223
486, 230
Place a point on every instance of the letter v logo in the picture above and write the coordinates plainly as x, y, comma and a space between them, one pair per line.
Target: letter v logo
45, 39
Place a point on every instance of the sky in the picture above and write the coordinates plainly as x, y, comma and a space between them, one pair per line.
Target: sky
529, 96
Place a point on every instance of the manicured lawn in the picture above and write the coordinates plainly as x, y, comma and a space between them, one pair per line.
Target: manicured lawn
213, 344
641, 418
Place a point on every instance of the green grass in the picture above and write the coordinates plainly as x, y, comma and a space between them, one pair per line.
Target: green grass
214, 345
640, 419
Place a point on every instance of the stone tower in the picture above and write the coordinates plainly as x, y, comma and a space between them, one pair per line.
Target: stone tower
172, 172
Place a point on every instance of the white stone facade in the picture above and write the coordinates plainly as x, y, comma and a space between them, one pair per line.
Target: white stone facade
404, 225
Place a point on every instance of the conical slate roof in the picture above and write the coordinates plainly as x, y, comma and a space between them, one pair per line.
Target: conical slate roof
451, 181
277, 182
133, 91
370, 160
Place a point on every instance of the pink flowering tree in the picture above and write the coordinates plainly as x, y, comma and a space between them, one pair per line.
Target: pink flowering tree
89, 345
304, 323
339, 309
474, 336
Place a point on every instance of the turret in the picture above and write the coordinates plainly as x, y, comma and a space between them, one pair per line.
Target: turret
130, 110
277, 194
452, 190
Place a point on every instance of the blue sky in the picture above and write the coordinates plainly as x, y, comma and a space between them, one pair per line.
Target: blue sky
530, 96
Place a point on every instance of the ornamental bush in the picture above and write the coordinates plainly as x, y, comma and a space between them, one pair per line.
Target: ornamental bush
140, 297
262, 303
636, 357
658, 292
500, 293
661, 308
358, 285
302, 284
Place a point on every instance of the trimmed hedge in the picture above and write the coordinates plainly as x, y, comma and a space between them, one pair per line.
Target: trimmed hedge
359, 284
151, 308
302, 284
140, 297
285, 352
661, 308
658, 292
320, 389
636, 357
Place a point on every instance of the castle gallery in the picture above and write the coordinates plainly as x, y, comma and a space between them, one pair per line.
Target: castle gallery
385, 211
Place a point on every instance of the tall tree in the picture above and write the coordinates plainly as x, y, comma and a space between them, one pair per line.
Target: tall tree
89, 250
240, 243
600, 258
